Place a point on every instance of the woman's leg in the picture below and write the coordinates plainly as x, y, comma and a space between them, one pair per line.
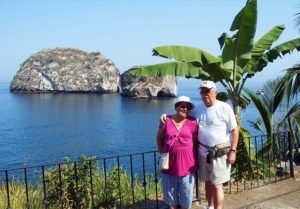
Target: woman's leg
170, 190
185, 190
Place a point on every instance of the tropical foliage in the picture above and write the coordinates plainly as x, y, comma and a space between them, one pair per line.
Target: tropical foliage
240, 59
81, 185
297, 20
276, 114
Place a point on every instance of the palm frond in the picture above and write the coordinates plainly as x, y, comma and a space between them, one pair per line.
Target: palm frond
262, 108
257, 125
293, 111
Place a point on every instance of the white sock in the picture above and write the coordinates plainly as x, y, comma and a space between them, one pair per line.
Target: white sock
210, 207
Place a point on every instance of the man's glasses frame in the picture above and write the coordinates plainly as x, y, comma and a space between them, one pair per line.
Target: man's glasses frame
205, 90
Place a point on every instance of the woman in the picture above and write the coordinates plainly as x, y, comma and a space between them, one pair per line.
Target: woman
178, 136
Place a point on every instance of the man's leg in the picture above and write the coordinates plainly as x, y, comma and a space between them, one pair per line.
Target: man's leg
209, 190
218, 196
220, 174
204, 174
214, 195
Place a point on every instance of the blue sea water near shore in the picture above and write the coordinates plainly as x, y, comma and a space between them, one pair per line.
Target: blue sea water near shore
37, 129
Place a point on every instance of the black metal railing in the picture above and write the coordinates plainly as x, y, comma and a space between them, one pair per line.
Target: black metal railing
133, 181
264, 159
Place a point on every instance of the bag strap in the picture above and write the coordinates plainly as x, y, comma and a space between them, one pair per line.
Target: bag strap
174, 139
206, 146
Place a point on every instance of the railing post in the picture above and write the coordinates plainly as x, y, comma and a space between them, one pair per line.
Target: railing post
156, 180
7, 190
27, 205
61, 194
291, 155
132, 182
91, 182
44, 188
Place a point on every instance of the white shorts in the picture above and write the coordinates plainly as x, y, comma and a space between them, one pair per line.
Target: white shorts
217, 172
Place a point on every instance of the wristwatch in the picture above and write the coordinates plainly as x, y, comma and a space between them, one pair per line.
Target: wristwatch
232, 150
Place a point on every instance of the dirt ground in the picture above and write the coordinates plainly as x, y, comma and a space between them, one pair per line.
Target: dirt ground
284, 194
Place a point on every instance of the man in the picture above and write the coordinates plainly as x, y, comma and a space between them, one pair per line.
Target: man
217, 125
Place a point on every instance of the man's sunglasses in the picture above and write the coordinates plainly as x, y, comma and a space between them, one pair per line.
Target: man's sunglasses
204, 91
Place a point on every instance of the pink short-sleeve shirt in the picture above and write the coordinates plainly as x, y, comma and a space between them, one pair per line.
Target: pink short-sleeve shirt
182, 154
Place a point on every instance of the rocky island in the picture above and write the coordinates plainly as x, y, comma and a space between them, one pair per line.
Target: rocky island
67, 70
164, 86
73, 70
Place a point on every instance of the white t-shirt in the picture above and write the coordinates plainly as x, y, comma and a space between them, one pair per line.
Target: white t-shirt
215, 124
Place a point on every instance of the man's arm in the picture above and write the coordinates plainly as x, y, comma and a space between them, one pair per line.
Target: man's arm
163, 118
234, 142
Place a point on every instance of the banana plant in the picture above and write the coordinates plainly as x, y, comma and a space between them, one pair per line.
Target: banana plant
241, 57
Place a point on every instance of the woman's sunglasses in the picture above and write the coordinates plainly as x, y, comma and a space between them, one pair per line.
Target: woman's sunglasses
184, 106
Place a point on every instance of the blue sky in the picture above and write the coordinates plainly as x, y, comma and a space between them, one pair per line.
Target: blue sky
125, 31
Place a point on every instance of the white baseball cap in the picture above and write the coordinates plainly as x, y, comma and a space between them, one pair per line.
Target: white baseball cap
208, 84
184, 99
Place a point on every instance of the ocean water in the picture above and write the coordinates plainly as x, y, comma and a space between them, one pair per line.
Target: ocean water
38, 129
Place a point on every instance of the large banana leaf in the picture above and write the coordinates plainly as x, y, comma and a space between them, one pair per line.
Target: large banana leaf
245, 23
183, 69
282, 49
185, 54
263, 44
228, 54
266, 41
274, 53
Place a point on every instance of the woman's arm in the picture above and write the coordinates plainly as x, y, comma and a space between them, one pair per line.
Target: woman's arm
160, 139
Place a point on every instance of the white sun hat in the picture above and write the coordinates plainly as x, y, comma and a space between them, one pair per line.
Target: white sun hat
208, 84
184, 99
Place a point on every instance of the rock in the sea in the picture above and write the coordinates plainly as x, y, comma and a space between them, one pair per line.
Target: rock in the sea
67, 70
164, 86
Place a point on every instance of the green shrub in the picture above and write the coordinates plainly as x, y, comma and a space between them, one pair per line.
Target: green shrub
17, 192
119, 188
70, 187
63, 189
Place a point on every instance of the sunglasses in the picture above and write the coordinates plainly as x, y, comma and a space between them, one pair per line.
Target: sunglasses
204, 91
185, 107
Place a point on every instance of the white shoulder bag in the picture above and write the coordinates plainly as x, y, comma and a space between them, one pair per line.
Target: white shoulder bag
163, 160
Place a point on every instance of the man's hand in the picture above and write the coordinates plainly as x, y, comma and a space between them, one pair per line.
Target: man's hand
231, 157
163, 118
234, 141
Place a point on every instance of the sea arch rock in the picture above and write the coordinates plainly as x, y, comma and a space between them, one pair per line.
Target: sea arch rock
67, 70
152, 86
